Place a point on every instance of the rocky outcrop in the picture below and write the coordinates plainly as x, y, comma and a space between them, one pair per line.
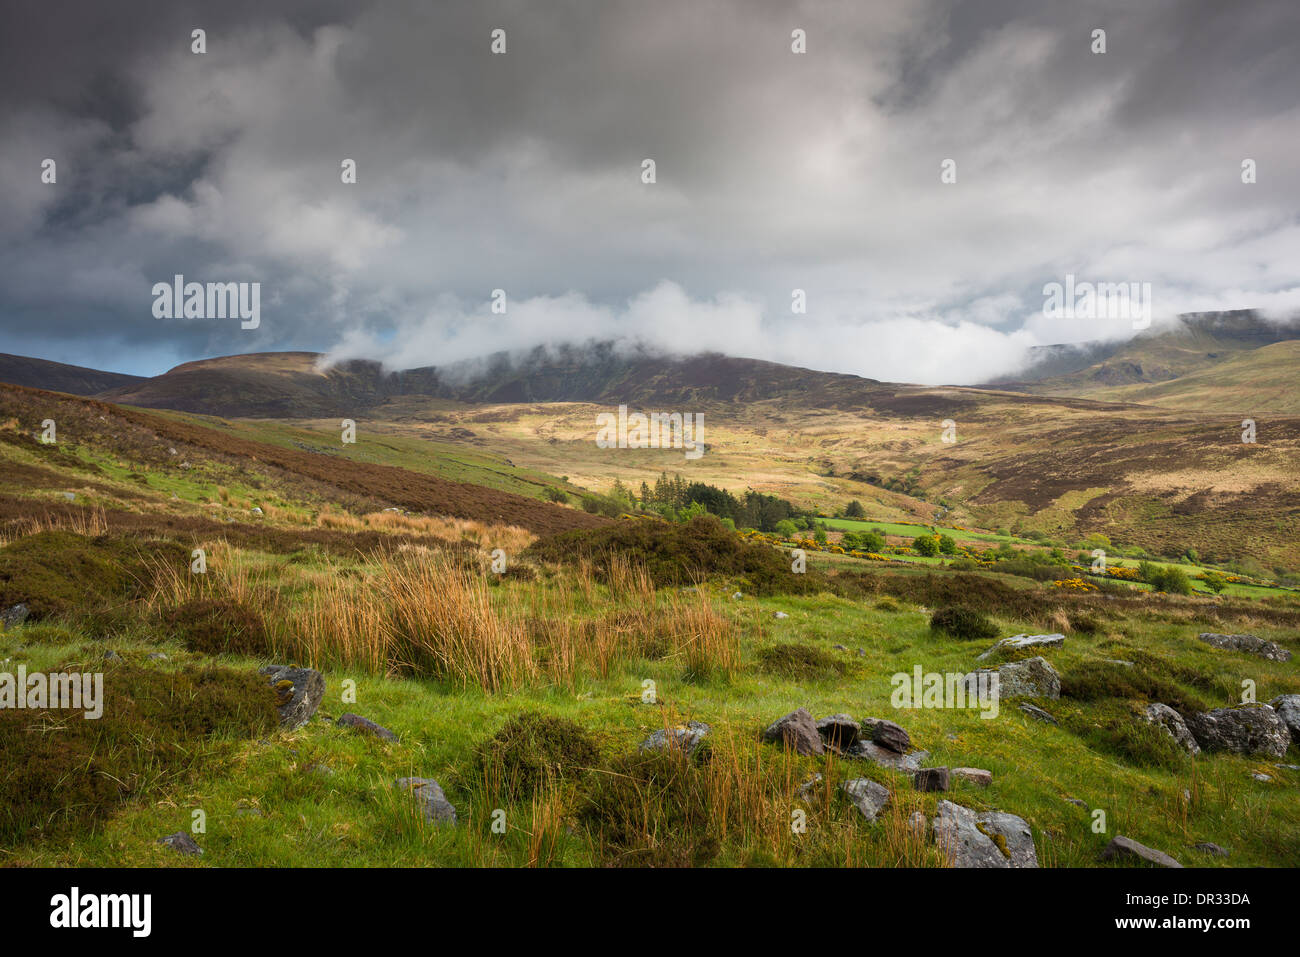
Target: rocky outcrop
1248, 729
1250, 644
993, 839
1287, 707
1016, 642
1031, 678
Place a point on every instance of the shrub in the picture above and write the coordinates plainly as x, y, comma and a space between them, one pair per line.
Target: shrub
962, 622
801, 662
947, 546
786, 528
554, 494
927, 545
652, 809
854, 509
217, 626
534, 750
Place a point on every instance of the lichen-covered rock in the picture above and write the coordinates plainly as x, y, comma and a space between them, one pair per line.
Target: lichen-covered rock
433, 802
1031, 678
797, 731
1250, 644
1037, 713
976, 776
299, 691
1016, 642
1169, 719
1122, 848
13, 616
365, 726
1287, 707
994, 839
839, 731
1247, 729
687, 737
181, 843
868, 796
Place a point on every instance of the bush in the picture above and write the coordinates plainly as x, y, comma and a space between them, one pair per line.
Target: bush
681, 555
927, 545
1165, 578
786, 528
534, 750
218, 626
652, 809
962, 622
947, 546
554, 494
801, 662
854, 510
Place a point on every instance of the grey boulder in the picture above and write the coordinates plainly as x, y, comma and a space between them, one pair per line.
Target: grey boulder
1125, 848
1016, 642
993, 839
1248, 729
687, 737
797, 731
1287, 707
868, 796
299, 691
433, 802
365, 726
1169, 719
1251, 644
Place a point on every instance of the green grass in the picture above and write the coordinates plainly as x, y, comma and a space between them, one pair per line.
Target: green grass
354, 817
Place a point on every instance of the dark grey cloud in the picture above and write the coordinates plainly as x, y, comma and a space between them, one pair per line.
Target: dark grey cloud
775, 172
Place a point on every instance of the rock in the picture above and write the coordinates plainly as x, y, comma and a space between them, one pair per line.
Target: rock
1248, 643
157, 656
867, 796
13, 616
809, 787
976, 776
1122, 848
1031, 678
780, 615
1037, 713
1287, 707
1023, 641
931, 779
1077, 803
256, 510
1118, 661
993, 839
861, 653
687, 737
365, 726
1248, 729
918, 825
797, 731
433, 802
112, 655
181, 843
300, 692
736, 596
839, 731
1260, 777
870, 751
69, 496
839, 648
1169, 719
1209, 848
891, 736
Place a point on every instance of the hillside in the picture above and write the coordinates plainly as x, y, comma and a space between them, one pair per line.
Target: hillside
1198, 343
58, 377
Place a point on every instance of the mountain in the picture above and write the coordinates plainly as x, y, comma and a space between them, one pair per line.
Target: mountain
58, 377
1198, 343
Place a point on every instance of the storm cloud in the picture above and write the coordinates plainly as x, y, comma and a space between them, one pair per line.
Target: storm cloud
775, 171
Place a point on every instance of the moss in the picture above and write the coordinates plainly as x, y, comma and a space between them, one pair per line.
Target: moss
999, 840
534, 750
157, 727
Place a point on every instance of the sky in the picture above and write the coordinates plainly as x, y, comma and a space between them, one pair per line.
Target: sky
523, 171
